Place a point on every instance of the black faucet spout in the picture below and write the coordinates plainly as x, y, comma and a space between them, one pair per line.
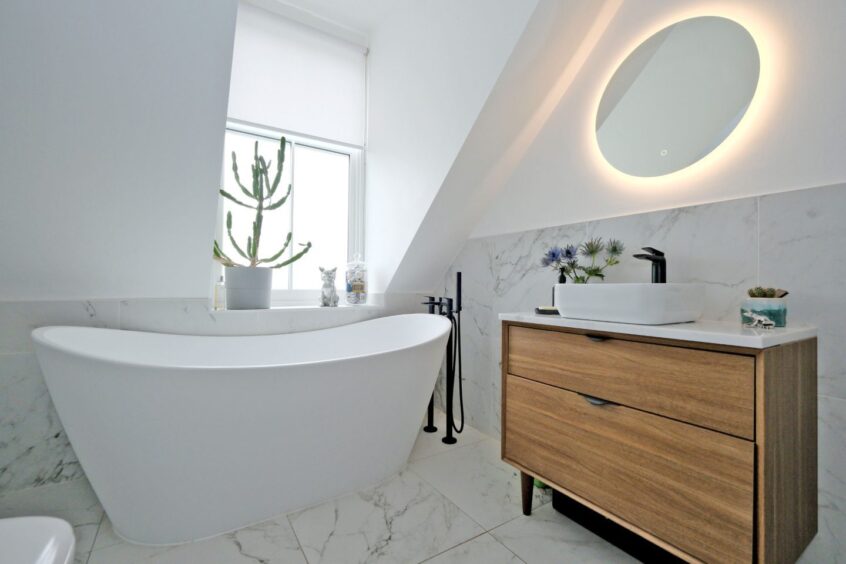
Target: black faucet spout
659, 264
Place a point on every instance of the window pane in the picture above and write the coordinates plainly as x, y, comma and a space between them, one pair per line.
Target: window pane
276, 223
321, 198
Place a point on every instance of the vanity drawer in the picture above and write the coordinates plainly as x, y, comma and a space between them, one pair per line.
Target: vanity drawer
710, 389
690, 487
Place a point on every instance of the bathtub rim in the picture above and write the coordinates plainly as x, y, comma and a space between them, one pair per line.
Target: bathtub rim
38, 337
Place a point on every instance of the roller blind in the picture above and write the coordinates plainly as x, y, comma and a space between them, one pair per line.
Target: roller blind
289, 76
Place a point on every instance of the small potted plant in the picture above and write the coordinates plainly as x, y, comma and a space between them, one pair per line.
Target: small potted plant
248, 285
764, 308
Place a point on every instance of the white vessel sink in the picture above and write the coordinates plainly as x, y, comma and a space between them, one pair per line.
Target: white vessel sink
643, 304
36, 540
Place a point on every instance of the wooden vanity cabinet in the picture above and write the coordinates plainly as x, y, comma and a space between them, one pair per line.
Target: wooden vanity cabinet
709, 451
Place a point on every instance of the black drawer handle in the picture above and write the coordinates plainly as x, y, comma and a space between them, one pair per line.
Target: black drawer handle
597, 338
596, 401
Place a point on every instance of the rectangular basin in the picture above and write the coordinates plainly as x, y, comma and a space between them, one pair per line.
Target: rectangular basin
642, 304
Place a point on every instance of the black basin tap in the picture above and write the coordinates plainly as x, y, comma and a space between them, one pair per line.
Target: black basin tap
659, 264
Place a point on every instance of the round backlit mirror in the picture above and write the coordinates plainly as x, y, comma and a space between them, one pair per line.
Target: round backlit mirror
677, 96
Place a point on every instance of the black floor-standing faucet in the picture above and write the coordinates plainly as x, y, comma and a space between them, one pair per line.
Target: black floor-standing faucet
430, 411
451, 309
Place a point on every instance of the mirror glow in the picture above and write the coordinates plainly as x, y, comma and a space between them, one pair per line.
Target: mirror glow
677, 96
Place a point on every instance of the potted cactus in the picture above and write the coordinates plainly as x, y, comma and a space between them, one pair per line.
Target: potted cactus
765, 308
248, 285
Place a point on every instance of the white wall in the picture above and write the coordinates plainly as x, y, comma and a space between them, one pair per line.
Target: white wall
792, 136
111, 136
431, 67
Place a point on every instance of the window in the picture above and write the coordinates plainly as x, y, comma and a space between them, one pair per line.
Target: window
324, 206
292, 80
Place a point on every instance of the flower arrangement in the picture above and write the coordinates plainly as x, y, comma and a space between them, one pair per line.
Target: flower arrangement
566, 259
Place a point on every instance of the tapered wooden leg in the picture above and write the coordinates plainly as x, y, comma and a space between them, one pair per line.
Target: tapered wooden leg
527, 483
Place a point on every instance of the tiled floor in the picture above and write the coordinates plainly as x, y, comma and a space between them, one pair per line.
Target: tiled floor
452, 504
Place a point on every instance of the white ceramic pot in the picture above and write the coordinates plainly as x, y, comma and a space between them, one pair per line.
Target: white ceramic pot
248, 288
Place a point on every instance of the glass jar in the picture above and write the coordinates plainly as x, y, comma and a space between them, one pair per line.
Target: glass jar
356, 281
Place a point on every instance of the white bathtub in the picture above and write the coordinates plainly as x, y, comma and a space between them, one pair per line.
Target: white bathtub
185, 437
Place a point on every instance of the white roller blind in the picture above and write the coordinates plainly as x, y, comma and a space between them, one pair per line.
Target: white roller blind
292, 77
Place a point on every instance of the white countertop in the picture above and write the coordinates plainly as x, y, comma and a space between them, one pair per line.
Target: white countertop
714, 332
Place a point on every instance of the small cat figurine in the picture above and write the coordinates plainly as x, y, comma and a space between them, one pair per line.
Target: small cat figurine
328, 294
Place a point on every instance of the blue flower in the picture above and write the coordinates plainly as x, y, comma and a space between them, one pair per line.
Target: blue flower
570, 253
552, 256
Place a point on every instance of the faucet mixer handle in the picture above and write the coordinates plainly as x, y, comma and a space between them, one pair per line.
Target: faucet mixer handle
659, 264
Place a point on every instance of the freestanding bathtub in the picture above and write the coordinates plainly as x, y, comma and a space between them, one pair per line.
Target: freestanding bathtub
185, 437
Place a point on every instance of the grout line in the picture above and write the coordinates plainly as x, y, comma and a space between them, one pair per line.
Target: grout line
830, 397
297, 538
517, 556
452, 547
450, 449
449, 499
758, 241
97, 534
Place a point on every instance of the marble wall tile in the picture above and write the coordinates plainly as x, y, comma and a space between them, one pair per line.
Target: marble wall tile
803, 250
713, 244
34, 449
795, 240
195, 317
18, 319
477, 319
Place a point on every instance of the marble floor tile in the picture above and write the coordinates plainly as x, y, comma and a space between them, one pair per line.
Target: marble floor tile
547, 536
74, 501
832, 447
829, 546
401, 520
484, 549
479, 482
270, 542
429, 444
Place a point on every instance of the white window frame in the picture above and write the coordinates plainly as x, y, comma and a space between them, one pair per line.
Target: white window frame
355, 209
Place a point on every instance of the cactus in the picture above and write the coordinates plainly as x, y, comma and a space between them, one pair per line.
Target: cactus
260, 198
761, 292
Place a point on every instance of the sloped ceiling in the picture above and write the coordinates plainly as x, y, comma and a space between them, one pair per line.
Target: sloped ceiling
111, 136
507, 177
431, 68
553, 48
